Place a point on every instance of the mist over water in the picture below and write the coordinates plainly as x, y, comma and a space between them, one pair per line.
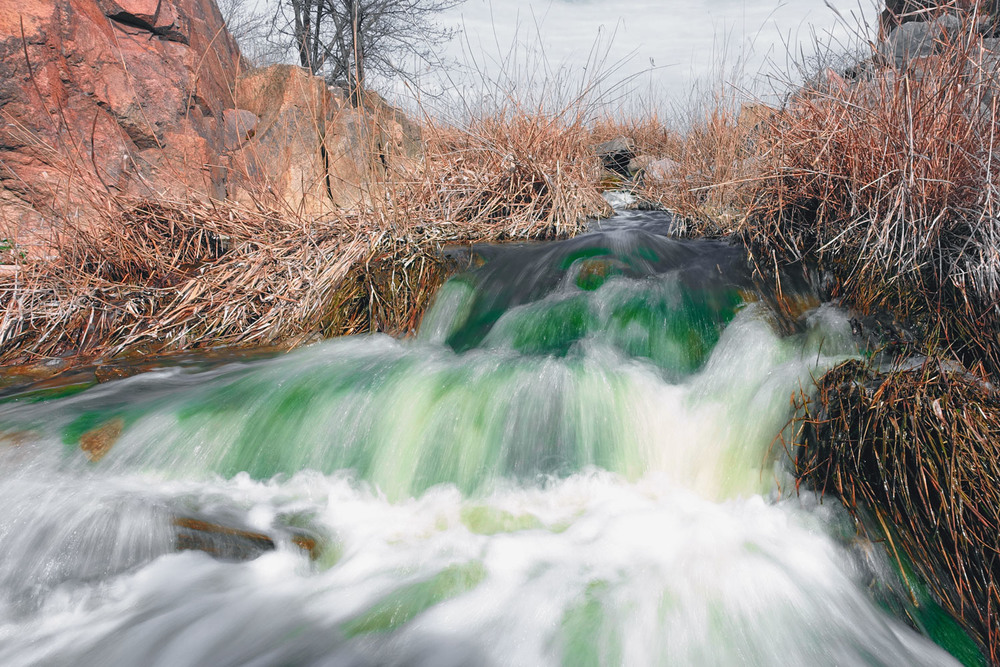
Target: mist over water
572, 464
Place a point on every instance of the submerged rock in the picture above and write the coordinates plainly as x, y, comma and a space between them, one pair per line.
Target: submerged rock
97, 442
236, 544
222, 542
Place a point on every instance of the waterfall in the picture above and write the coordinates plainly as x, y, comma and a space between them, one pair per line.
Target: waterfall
575, 462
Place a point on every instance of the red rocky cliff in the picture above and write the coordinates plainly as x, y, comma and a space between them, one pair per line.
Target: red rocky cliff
109, 96
101, 99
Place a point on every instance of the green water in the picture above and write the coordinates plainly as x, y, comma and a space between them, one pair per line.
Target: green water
575, 462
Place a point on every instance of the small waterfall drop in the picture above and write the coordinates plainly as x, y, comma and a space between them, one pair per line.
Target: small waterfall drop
573, 463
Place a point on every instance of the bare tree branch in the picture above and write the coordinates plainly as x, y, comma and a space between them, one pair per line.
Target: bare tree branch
344, 40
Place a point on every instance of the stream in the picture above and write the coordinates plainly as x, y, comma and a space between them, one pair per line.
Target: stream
573, 463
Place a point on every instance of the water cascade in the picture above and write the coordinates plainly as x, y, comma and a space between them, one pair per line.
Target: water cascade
573, 463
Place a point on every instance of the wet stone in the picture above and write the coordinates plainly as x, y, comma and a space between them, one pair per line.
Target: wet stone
308, 544
219, 541
38, 371
97, 442
229, 543
109, 373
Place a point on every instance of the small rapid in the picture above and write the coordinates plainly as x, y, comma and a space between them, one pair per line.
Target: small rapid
574, 462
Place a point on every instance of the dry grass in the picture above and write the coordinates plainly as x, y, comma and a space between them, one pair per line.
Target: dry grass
712, 162
918, 450
159, 277
651, 134
165, 276
889, 182
712, 168
516, 174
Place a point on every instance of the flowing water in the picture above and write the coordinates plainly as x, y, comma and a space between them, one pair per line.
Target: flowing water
573, 463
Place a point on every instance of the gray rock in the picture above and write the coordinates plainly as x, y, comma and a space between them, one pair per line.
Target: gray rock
616, 154
899, 12
615, 146
918, 40
662, 169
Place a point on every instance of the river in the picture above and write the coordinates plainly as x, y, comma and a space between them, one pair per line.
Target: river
573, 463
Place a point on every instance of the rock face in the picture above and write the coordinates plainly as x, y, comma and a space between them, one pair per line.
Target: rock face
109, 96
149, 98
304, 143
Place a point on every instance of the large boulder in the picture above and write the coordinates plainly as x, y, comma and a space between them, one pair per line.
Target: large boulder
912, 41
900, 12
309, 147
109, 96
150, 99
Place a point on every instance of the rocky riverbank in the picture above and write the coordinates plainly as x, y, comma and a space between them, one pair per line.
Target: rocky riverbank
157, 196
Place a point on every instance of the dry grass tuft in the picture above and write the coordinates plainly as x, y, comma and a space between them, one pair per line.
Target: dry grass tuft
918, 450
652, 135
158, 277
890, 182
711, 162
891, 179
712, 168
518, 174
164, 276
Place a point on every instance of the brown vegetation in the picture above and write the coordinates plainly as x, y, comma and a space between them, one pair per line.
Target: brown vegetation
888, 182
917, 449
517, 174
159, 276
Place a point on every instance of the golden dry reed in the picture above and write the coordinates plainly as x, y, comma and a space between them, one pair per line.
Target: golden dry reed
163, 276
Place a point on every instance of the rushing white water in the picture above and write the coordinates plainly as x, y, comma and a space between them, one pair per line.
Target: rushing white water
574, 482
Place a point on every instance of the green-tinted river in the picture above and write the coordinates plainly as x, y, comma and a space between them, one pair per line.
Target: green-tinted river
573, 464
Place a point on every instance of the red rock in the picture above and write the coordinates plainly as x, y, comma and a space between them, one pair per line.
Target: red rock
219, 541
100, 98
108, 96
239, 126
310, 147
150, 15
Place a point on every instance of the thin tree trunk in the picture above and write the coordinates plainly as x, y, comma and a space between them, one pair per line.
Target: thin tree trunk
357, 71
303, 30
